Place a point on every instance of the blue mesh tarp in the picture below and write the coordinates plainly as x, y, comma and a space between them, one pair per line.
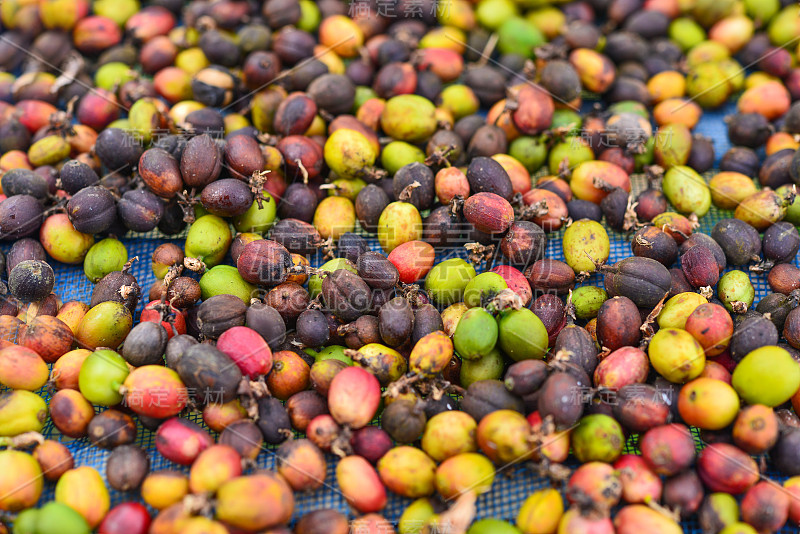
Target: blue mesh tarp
512, 484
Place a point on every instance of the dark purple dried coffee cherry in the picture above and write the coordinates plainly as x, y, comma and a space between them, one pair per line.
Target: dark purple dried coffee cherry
752, 333
303, 74
140, 210
145, 344
117, 286
24, 182
297, 236
126, 467
298, 202
350, 246
487, 141
369, 204
618, 323
24, 249
201, 161
312, 328
423, 196
446, 144
708, 242
118, 150
92, 210
75, 175
264, 262
560, 79
172, 222
396, 321
778, 306
781, 242
488, 84
583, 209
210, 373
739, 240
614, 206
334, 93
14, 135
176, 347
273, 420
701, 155
206, 120
220, 49
556, 388
700, 267
578, 347
466, 127
748, 129
377, 271
742, 160
486, 175
486, 396
774, 171
442, 228
652, 242
649, 203
228, 197
260, 68
404, 420
346, 295
31, 280
643, 280
524, 243
360, 71
268, 322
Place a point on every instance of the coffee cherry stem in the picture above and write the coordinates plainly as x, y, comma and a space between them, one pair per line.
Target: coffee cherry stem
563, 168
762, 267
739, 307
195, 265
505, 300
479, 253
401, 384
706, 292
198, 505
647, 329
654, 175
488, 50
303, 170
341, 444
405, 194
249, 391
570, 310
675, 515
173, 273
459, 517
26, 440
534, 211
601, 184
439, 156
410, 292
186, 201
630, 220
674, 230
257, 181
456, 206
72, 66
328, 248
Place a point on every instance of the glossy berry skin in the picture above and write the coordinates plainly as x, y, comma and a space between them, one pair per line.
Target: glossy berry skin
126, 518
